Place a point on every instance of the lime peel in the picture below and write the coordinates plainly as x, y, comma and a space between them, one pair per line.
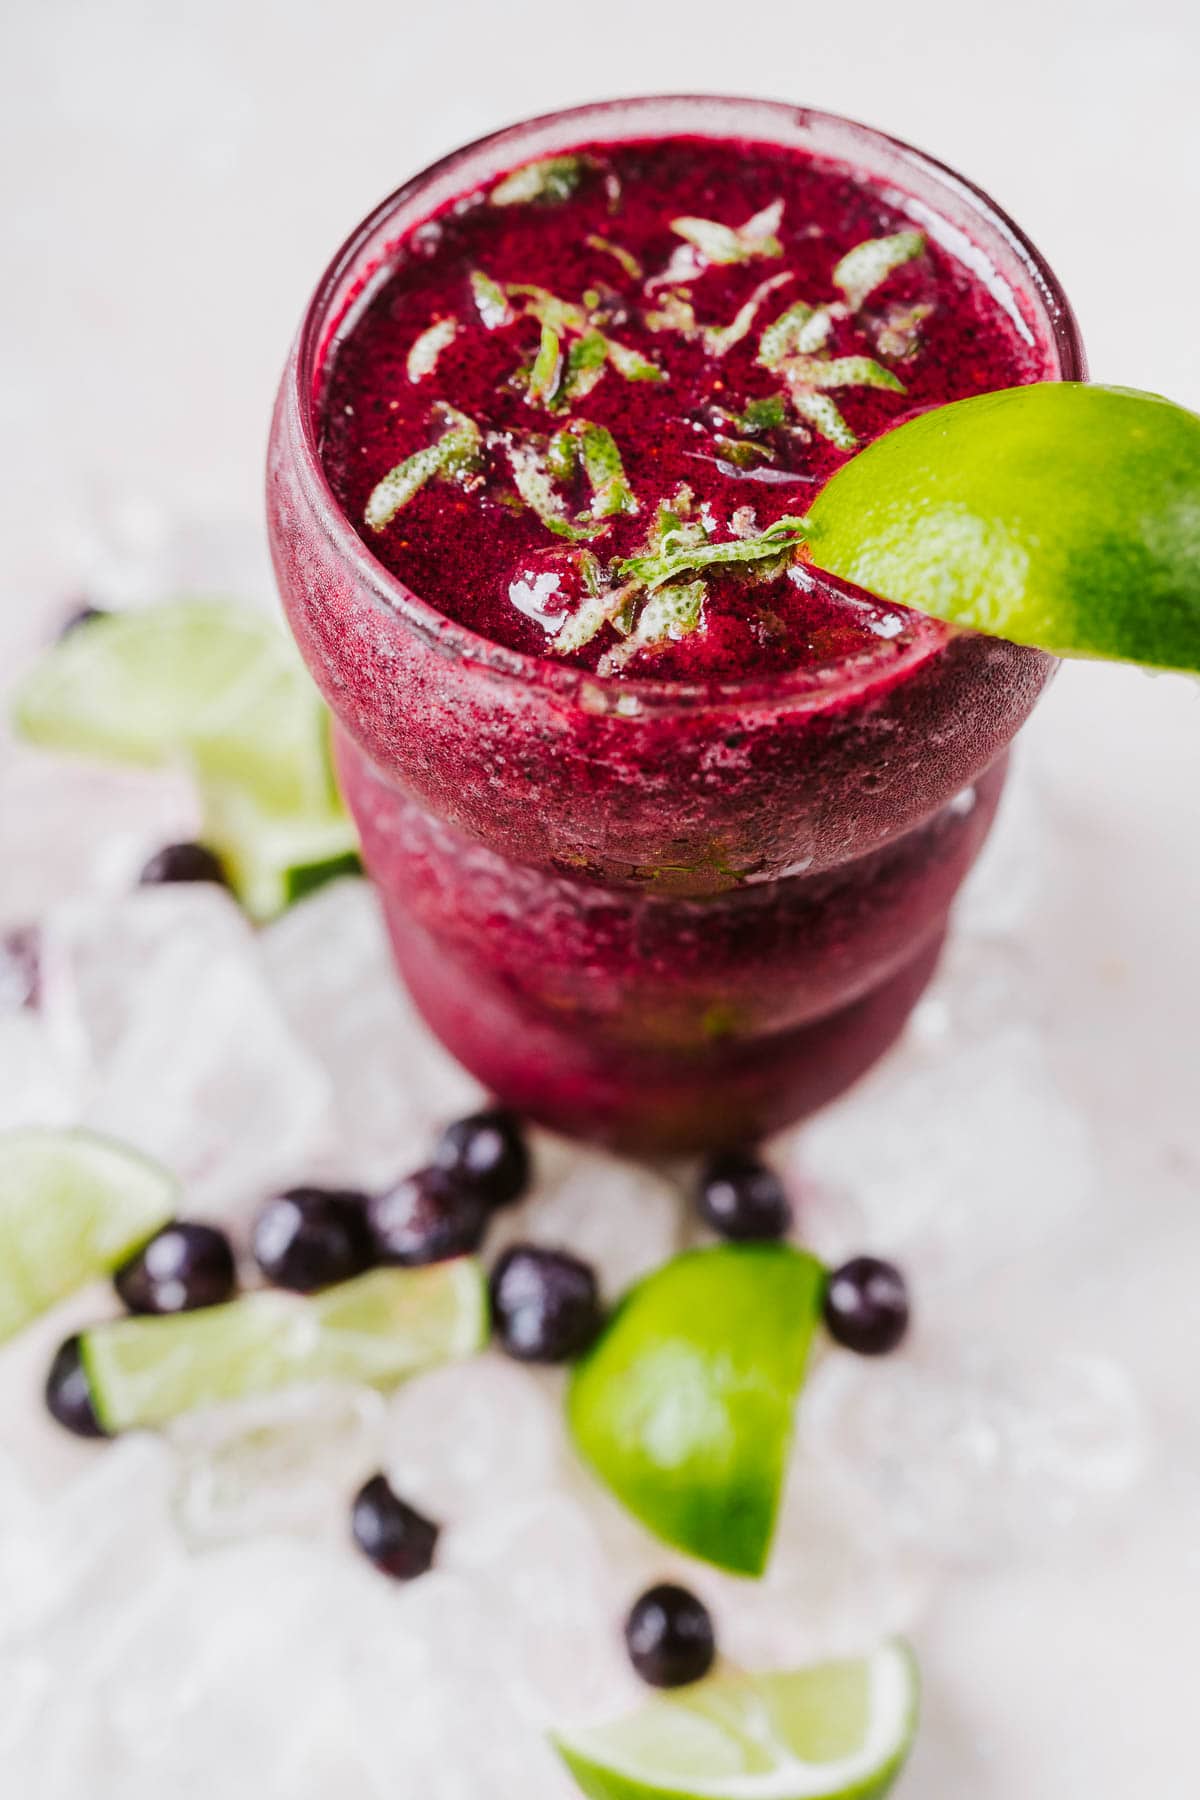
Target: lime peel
376, 1330
836, 1731
1061, 515
685, 1405
73, 1206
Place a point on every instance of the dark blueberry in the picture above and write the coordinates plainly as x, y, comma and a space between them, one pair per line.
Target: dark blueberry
669, 1635
81, 615
181, 1269
399, 1540
488, 1150
20, 969
866, 1306
545, 1304
183, 862
426, 1218
310, 1238
68, 1396
743, 1199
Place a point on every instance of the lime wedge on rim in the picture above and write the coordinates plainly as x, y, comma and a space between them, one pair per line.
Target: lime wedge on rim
836, 1731
1060, 515
376, 1330
72, 1207
685, 1404
208, 683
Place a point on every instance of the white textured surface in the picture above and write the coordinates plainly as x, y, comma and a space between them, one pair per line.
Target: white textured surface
173, 178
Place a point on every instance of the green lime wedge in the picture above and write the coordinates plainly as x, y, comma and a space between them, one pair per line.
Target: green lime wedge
685, 1404
274, 858
376, 1330
208, 683
837, 1731
72, 1206
1059, 515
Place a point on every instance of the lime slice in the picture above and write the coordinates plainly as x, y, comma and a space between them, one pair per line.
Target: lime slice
274, 858
685, 1404
376, 1330
72, 1207
837, 1731
209, 683
1059, 515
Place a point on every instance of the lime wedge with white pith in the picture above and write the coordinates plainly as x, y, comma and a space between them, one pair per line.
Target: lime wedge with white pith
836, 1731
1060, 515
274, 858
376, 1330
685, 1404
72, 1207
207, 683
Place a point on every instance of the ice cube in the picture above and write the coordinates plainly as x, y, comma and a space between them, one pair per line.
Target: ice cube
161, 1002
970, 1453
466, 1438
392, 1084
541, 1571
959, 1153
283, 1465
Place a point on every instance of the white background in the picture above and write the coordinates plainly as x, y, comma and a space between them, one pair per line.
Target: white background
175, 176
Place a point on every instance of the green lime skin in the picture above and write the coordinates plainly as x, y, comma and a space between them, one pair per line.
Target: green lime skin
1059, 515
685, 1404
599, 1783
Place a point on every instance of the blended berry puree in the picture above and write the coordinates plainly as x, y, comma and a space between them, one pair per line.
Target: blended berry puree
579, 408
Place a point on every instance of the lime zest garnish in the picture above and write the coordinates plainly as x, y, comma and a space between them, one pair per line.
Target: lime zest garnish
611, 492
456, 456
603, 606
586, 362
632, 364
823, 414
768, 414
724, 244
547, 370
720, 338
422, 358
491, 302
798, 331
627, 260
658, 568
548, 182
590, 349
840, 372
536, 488
669, 615
898, 333
674, 313
869, 264
563, 455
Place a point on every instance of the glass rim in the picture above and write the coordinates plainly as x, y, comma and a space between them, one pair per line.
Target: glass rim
625, 694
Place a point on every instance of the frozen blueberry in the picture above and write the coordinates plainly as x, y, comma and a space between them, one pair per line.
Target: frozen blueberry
68, 1395
743, 1199
310, 1238
183, 862
20, 969
669, 1635
867, 1306
486, 1150
399, 1540
545, 1304
82, 614
426, 1218
181, 1269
